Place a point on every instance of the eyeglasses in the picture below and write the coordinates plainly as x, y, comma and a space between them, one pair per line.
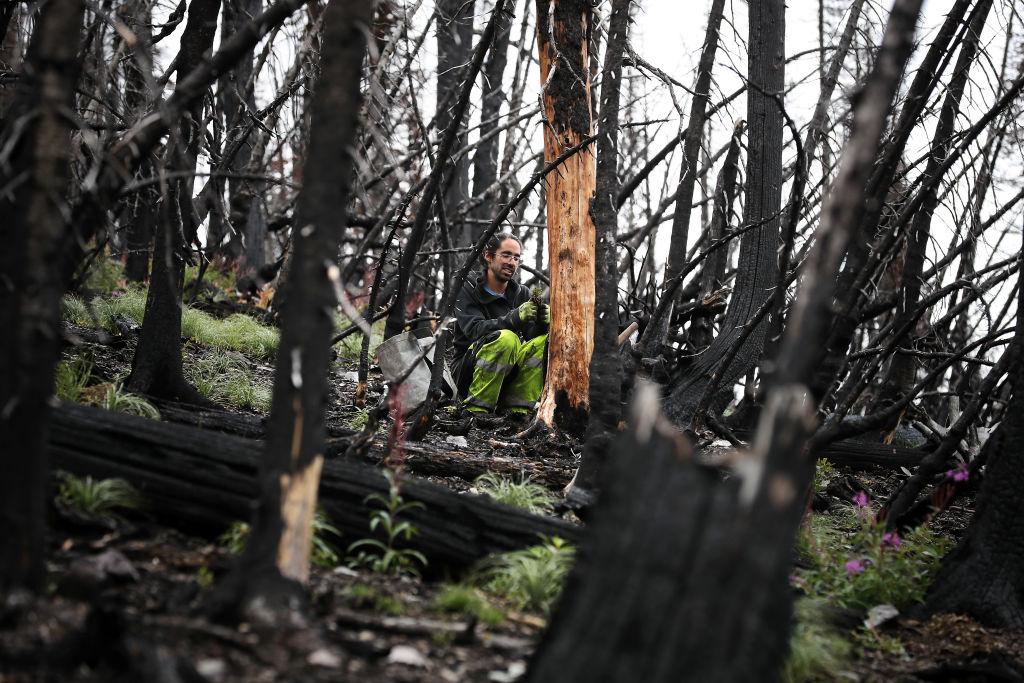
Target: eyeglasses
510, 256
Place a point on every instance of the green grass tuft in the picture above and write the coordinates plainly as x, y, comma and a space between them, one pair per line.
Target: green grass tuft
74, 311
532, 578
71, 377
524, 494
105, 275
96, 498
118, 400
226, 379
467, 600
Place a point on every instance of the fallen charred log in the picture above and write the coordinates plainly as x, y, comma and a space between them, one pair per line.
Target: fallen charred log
201, 481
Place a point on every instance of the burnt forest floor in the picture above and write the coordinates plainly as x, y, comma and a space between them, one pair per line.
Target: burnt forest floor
125, 597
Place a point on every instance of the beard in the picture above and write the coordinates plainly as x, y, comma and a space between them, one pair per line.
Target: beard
503, 273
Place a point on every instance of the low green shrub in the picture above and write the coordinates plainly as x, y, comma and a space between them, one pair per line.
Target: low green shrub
361, 595
523, 494
865, 565
532, 578
97, 498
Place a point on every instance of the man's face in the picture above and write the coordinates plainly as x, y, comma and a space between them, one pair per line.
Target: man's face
504, 262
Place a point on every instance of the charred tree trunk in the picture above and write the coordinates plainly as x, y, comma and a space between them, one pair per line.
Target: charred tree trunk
847, 294
691, 144
236, 97
485, 161
672, 545
454, 51
757, 266
277, 554
396, 317
563, 29
984, 576
37, 134
605, 367
141, 212
712, 275
903, 368
156, 367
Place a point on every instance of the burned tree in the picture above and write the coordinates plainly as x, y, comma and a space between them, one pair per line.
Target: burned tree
276, 558
34, 171
756, 270
563, 29
984, 576
605, 366
156, 367
714, 552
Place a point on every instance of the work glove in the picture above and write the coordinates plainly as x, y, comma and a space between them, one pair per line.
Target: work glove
545, 314
519, 318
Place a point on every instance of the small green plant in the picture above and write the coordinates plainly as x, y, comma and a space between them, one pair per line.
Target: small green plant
105, 274
383, 556
71, 377
817, 650
324, 554
824, 473
524, 494
204, 577
351, 346
97, 498
532, 578
871, 639
868, 566
467, 600
358, 420
118, 400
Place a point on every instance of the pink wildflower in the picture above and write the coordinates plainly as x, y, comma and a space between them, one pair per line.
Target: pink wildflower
891, 539
959, 474
854, 567
861, 500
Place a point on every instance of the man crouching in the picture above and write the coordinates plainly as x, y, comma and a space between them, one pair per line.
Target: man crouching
500, 335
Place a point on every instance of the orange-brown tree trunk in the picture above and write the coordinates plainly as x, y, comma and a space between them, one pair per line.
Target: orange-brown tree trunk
563, 29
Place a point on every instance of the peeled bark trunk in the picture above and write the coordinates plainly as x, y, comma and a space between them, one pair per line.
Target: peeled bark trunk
277, 554
563, 27
157, 365
33, 208
756, 274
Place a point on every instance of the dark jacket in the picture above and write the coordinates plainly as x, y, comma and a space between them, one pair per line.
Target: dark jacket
478, 312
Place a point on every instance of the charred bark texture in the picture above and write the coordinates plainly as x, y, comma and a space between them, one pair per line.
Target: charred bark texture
278, 550
672, 545
201, 481
757, 266
157, 365
903, 367
37, 134
563, 27
605, 366
454, 51
984, 576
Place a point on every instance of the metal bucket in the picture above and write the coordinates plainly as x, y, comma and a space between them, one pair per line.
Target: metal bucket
396, 354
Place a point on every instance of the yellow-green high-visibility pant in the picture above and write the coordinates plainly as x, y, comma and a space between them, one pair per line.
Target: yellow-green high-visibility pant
508, 373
